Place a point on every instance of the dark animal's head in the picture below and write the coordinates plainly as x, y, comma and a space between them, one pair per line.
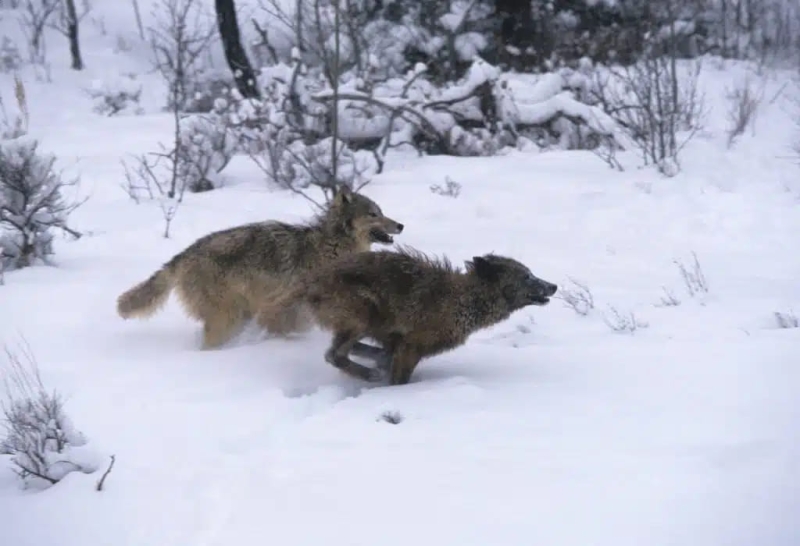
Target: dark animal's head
515, 282
364, 217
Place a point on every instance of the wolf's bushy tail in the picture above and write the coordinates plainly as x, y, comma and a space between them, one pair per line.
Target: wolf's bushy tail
147, 297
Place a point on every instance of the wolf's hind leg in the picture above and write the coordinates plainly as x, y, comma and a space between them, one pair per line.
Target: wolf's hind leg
222, 323
338, 356
220, 329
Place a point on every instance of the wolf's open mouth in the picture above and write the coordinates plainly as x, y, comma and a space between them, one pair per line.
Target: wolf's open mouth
540, 300
380, 236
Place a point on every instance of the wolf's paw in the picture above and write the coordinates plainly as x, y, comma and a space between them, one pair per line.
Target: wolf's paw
377, 375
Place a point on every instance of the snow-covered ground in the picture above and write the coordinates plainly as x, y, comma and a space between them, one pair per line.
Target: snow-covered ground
548, 429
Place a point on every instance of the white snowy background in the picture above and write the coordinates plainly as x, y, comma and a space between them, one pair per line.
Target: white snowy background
551, 428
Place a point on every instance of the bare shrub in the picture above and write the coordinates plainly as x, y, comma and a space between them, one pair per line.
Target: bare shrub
623, 323
579, 298
10, 57
391, 417
658, 103
154, 176
14, 126
181, 34
31, 204
39, 436
202, 146
786, 319
607, 151
693, 277
451, 188
199, 151
35, 17
668, 299
102, 481
743, 101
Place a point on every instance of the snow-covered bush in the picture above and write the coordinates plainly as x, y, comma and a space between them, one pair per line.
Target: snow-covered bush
479, 114
284, 133
42, 444
302, 166
116, 96
206, 147
31, 204
10, 57
204, 90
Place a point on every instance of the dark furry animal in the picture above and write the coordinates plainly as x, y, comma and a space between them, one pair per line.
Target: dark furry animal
225, 277
415, 306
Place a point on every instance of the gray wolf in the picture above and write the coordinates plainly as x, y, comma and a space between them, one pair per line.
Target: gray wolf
223, 278
414, 305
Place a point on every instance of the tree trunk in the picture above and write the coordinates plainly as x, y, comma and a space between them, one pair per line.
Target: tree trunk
243, 73
72, 35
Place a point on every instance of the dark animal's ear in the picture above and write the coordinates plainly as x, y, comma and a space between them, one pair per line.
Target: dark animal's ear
344, 194
485, 269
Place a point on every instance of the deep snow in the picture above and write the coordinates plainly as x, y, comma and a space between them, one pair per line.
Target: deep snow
547, 429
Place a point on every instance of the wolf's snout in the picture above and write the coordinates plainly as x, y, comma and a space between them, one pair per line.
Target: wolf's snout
400, 227
544, 289
550, 288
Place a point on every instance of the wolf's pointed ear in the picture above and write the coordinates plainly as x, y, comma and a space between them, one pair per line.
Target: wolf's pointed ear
485, 269
344, 194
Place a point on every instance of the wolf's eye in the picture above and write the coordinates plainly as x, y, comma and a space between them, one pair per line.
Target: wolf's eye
373, 214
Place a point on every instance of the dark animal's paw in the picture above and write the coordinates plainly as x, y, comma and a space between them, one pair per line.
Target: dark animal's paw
377, 375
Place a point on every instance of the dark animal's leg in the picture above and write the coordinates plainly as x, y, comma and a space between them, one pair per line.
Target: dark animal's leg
338, 355
379, 355
404, 360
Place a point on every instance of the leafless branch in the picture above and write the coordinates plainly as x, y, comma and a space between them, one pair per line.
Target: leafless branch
102, 480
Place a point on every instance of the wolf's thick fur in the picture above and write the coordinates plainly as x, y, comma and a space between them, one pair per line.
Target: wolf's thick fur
415, 306
225, 277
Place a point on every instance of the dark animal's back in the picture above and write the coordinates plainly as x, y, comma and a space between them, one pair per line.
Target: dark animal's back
403, 290
394, 273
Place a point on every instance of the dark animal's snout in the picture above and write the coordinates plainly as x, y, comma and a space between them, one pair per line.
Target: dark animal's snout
547, 288
399, 227
540, 291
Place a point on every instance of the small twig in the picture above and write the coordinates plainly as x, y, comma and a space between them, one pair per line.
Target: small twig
102, 479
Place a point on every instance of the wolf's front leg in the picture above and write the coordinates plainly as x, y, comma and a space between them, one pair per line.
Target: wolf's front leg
379, 355
404, 361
